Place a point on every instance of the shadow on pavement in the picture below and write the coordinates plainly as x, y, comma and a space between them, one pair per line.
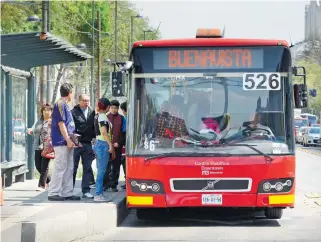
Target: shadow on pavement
206, 218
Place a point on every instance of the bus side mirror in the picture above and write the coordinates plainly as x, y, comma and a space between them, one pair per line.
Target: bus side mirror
118, 83
300, 90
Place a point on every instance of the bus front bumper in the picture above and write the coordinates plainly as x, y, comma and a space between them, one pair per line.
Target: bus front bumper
208, 200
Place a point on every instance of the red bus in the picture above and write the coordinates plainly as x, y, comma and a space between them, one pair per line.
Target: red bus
210, 124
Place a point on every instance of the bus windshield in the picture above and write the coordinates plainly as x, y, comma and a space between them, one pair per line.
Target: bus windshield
301, 122
312, 119
194, 111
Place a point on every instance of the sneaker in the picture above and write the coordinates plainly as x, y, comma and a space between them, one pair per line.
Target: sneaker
88, 195
40, 189
100, 198
93, 186
123, 187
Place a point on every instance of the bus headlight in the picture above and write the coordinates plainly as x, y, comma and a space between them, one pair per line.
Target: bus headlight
267, 186
276, 185
146, 186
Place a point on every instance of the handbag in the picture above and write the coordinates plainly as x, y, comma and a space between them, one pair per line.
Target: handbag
48, 150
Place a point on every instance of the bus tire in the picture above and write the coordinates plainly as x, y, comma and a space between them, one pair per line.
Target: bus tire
274, 213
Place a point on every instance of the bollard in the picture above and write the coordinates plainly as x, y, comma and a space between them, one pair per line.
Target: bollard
28, 232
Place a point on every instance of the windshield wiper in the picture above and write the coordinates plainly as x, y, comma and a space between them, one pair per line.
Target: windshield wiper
168, 154
268, 158
184, 154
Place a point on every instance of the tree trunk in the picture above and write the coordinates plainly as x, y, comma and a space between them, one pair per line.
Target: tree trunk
60, 74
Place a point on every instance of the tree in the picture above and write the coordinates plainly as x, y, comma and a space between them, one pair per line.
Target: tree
71, 20
311, 60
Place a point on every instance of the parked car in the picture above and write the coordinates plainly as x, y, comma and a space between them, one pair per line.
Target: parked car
311, 136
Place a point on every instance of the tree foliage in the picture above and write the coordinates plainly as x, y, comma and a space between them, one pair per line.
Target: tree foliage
311, 60
72, 20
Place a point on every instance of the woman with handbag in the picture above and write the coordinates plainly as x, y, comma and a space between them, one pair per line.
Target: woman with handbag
41, 130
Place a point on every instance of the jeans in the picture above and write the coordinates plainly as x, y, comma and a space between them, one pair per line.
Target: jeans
101, 149
86, 155
113, 169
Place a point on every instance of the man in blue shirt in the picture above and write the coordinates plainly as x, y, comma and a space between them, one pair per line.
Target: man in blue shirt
62, 127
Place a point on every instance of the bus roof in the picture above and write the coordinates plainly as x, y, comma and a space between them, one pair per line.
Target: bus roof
197, 42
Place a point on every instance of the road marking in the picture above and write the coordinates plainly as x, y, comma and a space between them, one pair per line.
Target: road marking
318, 202
309, 151
313, 195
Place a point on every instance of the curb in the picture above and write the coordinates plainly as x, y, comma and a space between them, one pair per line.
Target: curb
310, 152
77, 222
122, 211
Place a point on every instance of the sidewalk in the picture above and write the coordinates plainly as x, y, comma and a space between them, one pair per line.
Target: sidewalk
28, 216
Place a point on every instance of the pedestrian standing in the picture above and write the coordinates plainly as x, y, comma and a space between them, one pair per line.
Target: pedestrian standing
62, 128
83, 116
40, 131
103, 146
123, 108
118, 140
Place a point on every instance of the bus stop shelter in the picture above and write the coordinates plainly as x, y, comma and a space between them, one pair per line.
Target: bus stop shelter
20, 53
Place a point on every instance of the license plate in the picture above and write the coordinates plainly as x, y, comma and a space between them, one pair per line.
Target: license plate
215, 199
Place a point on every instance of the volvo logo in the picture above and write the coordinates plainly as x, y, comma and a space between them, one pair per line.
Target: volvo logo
210, 184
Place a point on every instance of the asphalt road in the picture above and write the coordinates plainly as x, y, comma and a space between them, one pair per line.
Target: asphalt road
303, 223
312, 150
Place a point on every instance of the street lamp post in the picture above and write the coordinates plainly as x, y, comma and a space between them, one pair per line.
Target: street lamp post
147, 31
45, 23
132, 27
49, 87
92, 99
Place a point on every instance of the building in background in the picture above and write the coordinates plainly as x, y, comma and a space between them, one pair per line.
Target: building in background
313, 21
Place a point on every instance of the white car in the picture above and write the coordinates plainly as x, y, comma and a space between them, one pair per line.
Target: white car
311, 136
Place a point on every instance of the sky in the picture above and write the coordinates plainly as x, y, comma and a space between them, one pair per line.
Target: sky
242, 19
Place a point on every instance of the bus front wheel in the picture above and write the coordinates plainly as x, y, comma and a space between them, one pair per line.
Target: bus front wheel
274, 213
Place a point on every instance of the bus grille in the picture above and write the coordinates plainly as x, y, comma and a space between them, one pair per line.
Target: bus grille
211, 185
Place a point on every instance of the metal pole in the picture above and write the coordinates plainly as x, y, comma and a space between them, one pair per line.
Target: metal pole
131, 31
31, 119
129, 46
49, 87
99, 56
42, 69
115, 31
92, 99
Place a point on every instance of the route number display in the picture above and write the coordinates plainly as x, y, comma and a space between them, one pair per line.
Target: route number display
262, 81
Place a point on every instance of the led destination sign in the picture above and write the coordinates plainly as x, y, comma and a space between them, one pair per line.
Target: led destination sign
208, 58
